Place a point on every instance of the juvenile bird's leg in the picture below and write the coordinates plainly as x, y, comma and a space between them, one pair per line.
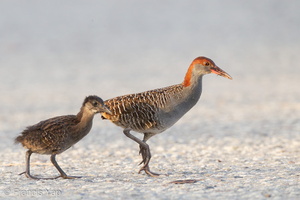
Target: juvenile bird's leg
145, 151
27, 172
62, 173
28, 175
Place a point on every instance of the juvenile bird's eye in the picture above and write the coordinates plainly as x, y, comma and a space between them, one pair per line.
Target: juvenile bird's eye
95, 103
206, 64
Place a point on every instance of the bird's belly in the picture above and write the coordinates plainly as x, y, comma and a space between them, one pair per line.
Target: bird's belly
169, 118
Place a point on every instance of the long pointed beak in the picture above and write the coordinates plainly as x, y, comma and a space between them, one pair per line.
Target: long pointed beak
106, 110
220, 72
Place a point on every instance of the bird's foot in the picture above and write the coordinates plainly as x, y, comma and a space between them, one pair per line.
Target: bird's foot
70, 177
64, 176
22, 173
36, 178
143, 161
147, 171
146, 155
29, 176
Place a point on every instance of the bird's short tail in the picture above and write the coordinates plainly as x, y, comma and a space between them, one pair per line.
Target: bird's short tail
19, 139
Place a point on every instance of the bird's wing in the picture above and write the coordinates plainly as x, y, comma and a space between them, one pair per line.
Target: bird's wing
133, 110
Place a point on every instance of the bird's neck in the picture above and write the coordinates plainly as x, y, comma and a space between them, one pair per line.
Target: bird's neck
181, 102
85, 120
185, 97
192, 85
192, 91
188, 77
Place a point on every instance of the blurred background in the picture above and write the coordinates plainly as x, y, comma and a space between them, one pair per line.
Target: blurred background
54, 53
242, 137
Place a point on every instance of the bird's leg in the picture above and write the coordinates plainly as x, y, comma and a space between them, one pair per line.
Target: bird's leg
146, 154
145, 151
142, 151
62, 173
27, 172
28, 175
146, 137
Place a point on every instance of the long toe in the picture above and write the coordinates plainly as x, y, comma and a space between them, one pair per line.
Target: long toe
144, 161
42, 178
22, 173
147, 171
70, 177
145, 157
29, 176
32, 177
152, 174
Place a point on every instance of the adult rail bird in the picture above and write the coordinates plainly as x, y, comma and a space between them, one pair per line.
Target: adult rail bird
154, 111
55, 135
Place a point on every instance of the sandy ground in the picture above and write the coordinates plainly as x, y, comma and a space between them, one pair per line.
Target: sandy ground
241, 141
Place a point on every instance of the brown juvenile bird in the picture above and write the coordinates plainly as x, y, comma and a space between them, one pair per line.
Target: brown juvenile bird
55, 135
154, 111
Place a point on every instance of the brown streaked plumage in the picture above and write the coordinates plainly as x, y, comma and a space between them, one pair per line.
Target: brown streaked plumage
154, 111
55, 135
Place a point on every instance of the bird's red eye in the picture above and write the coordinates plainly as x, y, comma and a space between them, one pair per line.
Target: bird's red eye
206, 63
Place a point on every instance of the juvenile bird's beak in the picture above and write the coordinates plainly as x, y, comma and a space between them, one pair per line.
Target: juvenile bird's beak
219, 71
106, 110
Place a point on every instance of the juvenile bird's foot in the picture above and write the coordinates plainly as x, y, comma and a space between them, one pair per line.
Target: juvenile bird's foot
30, 176
70, 177
60, 176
